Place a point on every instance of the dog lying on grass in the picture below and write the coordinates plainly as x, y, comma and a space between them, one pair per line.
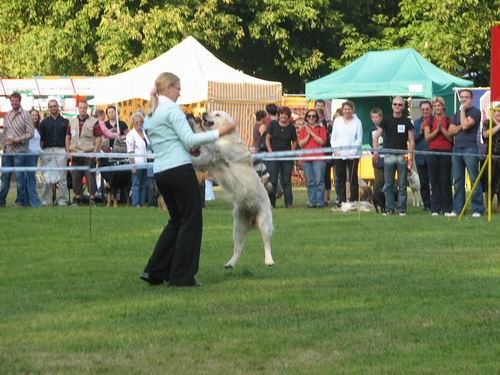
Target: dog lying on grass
230, 162
362, 206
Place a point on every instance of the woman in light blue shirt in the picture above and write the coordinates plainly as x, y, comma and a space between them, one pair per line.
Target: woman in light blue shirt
175, 258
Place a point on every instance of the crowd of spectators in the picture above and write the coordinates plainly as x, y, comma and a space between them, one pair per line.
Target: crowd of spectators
28, 140
445, 148
449, 146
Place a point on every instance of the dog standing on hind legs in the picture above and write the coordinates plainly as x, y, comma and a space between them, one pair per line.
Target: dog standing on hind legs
230, 162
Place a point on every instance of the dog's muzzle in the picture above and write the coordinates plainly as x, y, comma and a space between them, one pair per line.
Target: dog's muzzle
206, 121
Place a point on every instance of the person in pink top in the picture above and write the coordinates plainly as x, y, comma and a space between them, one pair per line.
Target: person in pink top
313, 135
439, 140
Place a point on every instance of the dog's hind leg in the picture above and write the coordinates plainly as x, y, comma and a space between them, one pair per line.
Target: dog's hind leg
265, 225
240, 229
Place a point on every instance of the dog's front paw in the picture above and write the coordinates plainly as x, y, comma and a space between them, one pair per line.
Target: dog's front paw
269, 262
228, 265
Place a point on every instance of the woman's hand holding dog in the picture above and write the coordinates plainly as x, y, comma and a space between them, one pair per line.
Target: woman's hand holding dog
227, 128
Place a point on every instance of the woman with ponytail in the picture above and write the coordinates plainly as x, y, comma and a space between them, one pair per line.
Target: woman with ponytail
175, 258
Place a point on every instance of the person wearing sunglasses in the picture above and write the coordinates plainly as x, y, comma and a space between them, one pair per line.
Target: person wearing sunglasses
313, 135
346, 140
398, 139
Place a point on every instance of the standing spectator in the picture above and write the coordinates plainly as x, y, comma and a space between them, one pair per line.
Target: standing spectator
114, 125
259, 129
138, 143
421, 145
495, 166
84, 135
118, 145
32, 161
108, 134
346, 140
319, 106
176, 256
328, 184
272, 114
376, 116
439, 163
281, 136
311, 136
464, 127
18, 130
259, 145
398, 136
53, 131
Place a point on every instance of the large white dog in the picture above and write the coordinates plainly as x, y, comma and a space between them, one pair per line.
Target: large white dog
230, 162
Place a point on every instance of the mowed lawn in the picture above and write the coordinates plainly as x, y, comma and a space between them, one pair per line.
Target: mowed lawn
348, 294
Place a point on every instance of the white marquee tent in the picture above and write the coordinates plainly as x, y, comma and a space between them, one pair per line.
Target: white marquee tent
204, 78
197, 68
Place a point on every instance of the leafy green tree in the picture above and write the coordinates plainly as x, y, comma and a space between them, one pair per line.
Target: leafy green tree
453, 34
288, 41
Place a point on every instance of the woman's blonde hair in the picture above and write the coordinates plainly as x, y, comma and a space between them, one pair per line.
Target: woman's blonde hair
134, 115
439, 99
163, 81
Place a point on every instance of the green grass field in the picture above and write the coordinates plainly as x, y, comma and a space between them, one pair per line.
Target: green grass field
348, 294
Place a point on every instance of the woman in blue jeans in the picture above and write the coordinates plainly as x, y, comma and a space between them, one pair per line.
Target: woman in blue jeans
31, 194
313, 135
138, 143
281, 136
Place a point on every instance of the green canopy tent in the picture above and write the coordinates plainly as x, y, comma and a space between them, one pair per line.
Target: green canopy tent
375, 77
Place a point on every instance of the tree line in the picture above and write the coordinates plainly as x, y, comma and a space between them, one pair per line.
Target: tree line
281, 40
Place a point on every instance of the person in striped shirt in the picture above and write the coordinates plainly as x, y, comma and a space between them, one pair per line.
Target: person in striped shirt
18, 130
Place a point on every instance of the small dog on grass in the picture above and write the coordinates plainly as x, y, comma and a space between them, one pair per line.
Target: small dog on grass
365, 191
414, 185
379, 200
362, 206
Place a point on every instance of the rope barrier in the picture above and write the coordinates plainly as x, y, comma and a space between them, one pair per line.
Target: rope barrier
292, 155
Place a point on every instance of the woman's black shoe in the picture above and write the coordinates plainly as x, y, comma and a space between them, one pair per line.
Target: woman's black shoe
150, 279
